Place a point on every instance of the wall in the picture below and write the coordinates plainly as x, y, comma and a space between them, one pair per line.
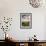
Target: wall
13, 8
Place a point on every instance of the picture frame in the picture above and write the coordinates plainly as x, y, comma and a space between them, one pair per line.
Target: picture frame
26, 20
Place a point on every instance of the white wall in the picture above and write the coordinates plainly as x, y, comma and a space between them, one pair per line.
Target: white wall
13, 8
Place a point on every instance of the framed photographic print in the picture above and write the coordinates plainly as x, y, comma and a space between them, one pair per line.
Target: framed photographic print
26, 20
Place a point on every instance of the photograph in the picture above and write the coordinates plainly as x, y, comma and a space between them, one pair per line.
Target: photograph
26, 20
